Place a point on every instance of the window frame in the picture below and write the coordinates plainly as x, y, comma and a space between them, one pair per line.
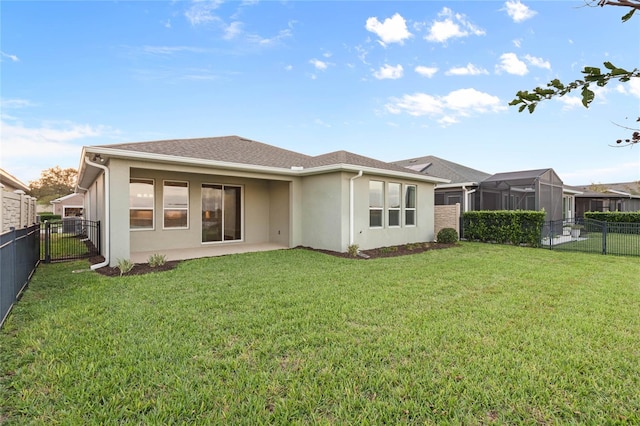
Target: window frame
153, 204
165, 208
413, 209
397, 209
380, 208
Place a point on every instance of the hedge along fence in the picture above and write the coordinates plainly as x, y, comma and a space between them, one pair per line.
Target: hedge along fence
518, 227
617, 217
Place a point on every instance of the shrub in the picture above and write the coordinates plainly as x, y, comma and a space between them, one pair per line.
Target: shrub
49, 216
353, 250
447, 236
157, 259
125, 265
504, 226
618, 217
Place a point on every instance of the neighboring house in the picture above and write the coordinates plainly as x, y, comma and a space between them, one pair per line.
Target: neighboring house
11, 183
202, 197
71, 205
608, 197
477, 190
464, 181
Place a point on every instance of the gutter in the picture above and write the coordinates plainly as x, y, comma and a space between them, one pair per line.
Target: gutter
106, 213
352, 208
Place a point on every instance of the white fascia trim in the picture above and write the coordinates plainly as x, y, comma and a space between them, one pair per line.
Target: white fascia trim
456, 185
571, 191
625, 194
116, 153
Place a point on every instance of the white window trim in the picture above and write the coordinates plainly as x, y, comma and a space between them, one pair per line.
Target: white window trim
390, 209
64, 210
153, 207
164, 208
405, 208
382, 209
242, 224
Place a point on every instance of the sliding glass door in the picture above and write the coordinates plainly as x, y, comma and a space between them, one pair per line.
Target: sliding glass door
221, 213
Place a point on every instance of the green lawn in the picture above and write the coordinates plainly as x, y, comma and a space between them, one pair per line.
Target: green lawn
617, 243
475, 334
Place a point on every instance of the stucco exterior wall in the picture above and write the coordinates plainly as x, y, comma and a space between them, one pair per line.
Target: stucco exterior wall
77, 200
369, 238
324, 200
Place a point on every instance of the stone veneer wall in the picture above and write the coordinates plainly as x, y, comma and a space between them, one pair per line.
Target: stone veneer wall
447, 217
18, 210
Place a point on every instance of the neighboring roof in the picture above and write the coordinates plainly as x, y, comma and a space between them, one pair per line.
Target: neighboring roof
438, 167
520, 175
611, 190
241, 153
8, 179
66, 197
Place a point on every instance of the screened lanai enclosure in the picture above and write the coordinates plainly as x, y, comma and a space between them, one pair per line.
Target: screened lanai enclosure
524, 190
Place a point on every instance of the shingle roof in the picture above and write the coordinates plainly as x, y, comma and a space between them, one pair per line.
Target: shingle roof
602, 189
524, 174
438, 167
235, 149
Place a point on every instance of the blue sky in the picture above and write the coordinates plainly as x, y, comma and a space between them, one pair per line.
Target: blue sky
389, 80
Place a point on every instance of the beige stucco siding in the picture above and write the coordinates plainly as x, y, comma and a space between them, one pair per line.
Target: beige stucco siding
367, 238
324, 200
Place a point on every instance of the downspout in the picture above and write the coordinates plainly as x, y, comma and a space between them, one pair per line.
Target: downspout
351, 208
106, 213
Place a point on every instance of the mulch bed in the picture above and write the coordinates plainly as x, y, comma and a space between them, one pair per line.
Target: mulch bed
392, 251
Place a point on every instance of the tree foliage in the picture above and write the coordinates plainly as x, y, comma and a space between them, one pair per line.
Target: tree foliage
53, 183
528, 100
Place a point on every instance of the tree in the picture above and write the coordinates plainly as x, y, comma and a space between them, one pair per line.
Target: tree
53, 183
591, 75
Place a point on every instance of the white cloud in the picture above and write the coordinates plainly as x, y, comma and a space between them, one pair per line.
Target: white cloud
170, 50
262, 41
453, 25
518, 11
318, 64
446, 109
426, 71
13, 58
232, 30
391, 30
538, 62
470, 69
389, 72
569, 102
288, 67
517, 42
201, 12
631, 87
510, 64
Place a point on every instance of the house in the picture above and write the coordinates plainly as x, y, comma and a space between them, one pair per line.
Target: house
477, 190
464, 181
609, 197
203, 197
71, 205
11, 183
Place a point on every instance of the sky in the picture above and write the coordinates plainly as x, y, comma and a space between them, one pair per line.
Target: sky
390, 80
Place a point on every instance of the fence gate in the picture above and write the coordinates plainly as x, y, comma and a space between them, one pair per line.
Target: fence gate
71, 238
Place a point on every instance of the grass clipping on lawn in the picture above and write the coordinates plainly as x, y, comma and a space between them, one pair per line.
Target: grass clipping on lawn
477, 334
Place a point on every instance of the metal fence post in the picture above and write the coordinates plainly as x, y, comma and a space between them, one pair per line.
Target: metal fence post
47, 242
604, 237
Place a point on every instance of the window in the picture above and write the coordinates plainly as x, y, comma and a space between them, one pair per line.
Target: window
394, 204
141, 204
376, 203
176, 204
410, 205
221, 213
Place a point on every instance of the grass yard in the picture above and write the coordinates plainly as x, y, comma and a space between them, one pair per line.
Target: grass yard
475, 334
616, 243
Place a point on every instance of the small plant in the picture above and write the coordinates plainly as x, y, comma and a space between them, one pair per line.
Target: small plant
125, 266
414, 246
157, 259
391, 249
447, 236
353, 250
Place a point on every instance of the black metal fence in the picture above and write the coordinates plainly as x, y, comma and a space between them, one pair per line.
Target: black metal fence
19, 257
593, 236
71, 238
